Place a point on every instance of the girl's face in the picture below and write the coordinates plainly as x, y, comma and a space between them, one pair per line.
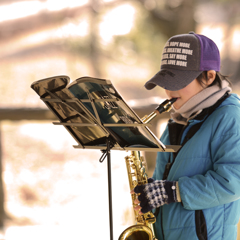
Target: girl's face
184, 94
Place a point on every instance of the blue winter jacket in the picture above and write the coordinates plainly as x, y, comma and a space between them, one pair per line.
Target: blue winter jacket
207, 168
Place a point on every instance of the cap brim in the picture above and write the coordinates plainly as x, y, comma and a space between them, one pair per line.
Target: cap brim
172, 80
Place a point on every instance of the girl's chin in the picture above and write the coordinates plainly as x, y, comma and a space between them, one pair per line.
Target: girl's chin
177, 105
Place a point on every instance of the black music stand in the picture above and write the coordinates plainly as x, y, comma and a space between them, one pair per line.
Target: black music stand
97, 117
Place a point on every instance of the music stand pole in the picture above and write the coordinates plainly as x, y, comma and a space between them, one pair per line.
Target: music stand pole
110, 188
107, 153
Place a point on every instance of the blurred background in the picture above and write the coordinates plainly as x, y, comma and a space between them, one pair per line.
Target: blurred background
48, 189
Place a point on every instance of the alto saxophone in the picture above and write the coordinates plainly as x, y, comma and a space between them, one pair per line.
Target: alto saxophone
143, 230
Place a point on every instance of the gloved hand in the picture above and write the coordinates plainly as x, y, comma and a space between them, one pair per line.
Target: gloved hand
155, 194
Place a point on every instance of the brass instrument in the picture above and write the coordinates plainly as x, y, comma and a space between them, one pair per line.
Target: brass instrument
143, 230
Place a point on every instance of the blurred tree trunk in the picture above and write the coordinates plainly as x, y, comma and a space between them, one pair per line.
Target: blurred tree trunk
94, 50
172, 19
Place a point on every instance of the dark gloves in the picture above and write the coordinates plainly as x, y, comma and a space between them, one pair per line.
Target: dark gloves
156, 193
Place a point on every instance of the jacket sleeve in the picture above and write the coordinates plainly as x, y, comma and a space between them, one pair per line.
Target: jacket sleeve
221, 184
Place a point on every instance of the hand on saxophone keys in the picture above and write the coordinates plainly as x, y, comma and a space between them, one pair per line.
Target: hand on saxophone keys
155, 194
136, 203
138, 207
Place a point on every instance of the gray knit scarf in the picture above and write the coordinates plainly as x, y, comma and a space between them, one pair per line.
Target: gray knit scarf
206, 98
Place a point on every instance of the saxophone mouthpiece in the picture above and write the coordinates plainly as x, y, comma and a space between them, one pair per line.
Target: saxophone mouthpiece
173, 100
166, 105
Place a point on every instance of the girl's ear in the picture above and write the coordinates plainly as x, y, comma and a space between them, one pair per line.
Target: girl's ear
211, 75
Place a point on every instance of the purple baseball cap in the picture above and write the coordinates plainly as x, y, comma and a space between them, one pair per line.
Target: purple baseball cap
184, 57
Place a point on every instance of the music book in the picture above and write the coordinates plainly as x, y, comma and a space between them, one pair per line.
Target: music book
93, 111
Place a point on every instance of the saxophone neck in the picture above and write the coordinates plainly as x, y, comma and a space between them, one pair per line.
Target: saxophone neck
163, 107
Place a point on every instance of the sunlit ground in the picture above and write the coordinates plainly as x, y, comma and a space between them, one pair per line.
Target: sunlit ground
58, 192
